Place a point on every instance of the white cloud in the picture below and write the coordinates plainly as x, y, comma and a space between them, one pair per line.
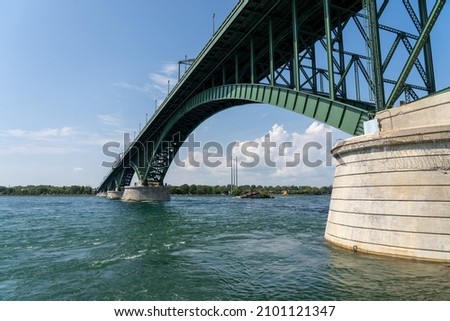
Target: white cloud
161, 82
35, 150
264, 115
169, 69
109, 120
158, 84
315, 128
284, 159
50, 141
47, 133
146, 88
78, 169
280, 149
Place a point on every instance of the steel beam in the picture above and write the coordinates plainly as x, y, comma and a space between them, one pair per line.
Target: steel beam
236, 67
295, 46
314, 69
252, 61
271, 54
224, 75
342, 73
327, 18
427, 52
375, 49
423, 38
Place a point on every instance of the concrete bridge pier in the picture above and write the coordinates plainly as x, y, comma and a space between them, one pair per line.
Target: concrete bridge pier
391, 190
142, 193
114, 195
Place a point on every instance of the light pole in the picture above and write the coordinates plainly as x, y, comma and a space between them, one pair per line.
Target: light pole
234, 174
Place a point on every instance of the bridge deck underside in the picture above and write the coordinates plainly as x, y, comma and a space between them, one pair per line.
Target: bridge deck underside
252, 22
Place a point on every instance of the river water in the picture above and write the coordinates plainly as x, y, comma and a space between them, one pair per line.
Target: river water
193, 248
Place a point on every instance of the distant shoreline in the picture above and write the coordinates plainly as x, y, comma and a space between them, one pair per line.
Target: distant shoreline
243, 189
185, 189
38, 190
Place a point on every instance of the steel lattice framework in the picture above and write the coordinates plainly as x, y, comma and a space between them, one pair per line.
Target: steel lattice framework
335, 61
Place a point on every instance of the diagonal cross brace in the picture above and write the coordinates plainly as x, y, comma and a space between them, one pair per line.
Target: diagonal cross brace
396, 92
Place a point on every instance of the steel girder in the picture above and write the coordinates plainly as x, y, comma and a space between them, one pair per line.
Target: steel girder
345, 117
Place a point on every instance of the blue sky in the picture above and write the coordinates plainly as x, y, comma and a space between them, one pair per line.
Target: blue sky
76, 74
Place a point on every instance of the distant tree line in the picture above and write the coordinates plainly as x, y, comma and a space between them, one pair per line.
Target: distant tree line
184, 189
46, 190
194, 189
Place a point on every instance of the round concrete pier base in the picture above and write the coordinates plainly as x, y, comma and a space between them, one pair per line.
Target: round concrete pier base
146, 193
391, 191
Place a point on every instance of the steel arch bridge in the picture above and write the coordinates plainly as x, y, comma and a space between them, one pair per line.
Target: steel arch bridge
292, 54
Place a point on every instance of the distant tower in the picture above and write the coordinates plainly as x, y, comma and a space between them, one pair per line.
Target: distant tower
234, 174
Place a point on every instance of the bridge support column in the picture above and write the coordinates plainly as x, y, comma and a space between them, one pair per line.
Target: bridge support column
146, 193
114, 195
391, 191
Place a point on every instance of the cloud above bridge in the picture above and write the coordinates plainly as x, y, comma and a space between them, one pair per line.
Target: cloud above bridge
277, 157
157, 83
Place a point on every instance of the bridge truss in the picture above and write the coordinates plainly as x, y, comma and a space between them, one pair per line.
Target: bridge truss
336, 61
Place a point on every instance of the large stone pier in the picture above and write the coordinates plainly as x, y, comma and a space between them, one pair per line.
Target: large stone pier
391, 191
145, 193
114, 195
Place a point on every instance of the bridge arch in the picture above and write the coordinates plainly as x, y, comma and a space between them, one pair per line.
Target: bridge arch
200, 107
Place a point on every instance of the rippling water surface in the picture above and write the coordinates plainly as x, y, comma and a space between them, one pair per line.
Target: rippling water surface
193, 248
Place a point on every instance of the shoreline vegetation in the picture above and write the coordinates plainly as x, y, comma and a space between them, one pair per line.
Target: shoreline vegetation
184, 189
47, 190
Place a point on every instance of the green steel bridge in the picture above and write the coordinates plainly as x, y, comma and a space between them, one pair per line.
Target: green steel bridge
293, 54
